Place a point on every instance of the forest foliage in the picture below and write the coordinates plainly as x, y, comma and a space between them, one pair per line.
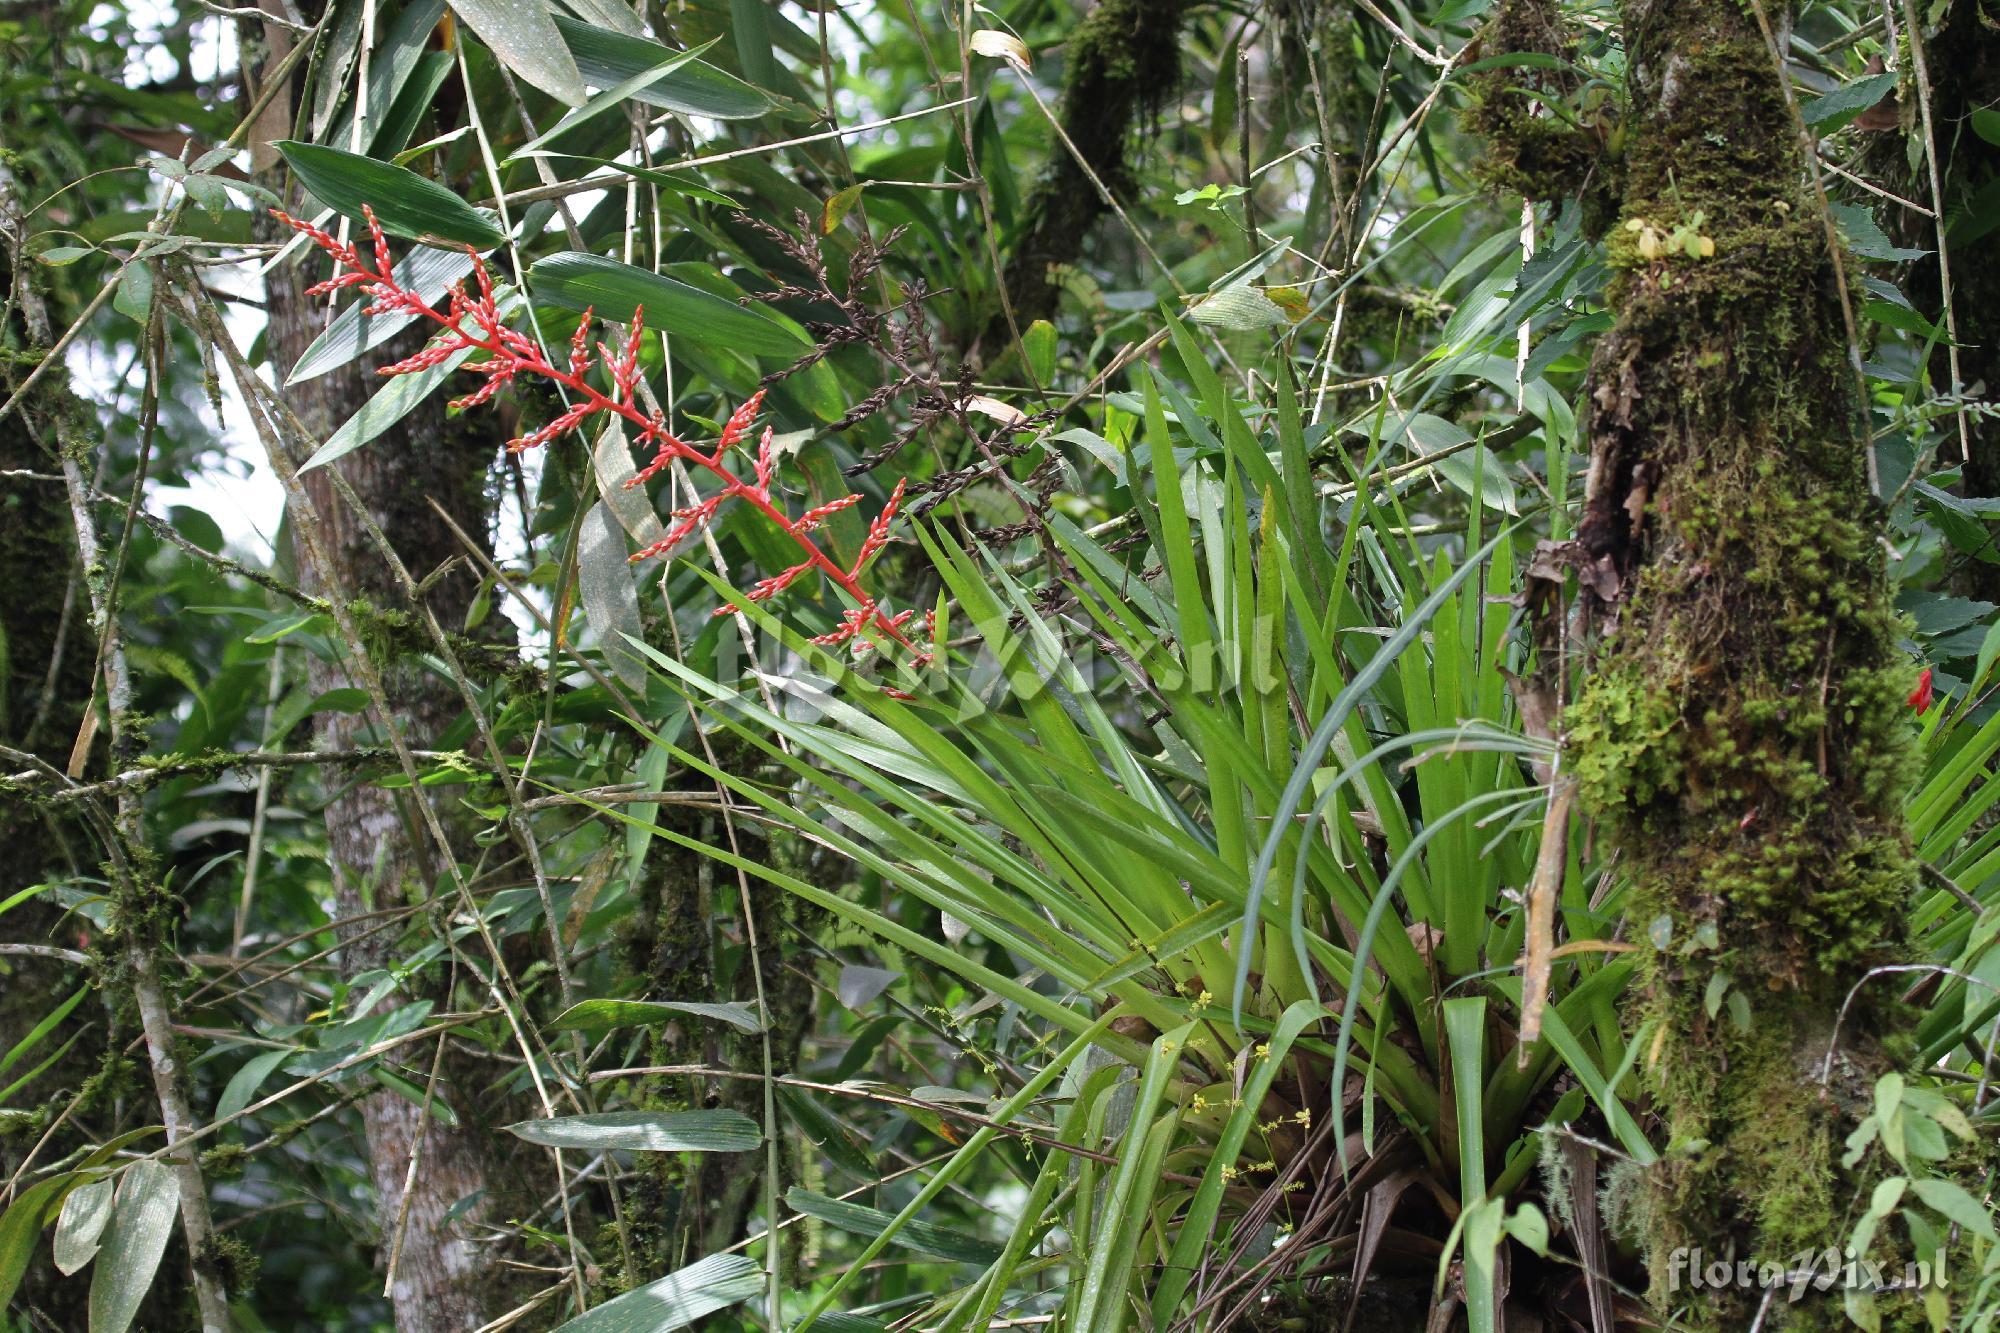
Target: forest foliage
1133, 665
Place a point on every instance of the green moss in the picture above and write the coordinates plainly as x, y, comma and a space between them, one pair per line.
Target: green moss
232, 1262
1549, 135
1742, 735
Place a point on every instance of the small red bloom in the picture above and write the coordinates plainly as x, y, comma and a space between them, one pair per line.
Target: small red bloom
1920, 697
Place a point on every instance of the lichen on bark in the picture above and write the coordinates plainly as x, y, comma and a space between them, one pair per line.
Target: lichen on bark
1742, 735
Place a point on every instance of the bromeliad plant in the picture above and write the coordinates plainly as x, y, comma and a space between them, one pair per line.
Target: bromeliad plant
475, 323
1312, 1002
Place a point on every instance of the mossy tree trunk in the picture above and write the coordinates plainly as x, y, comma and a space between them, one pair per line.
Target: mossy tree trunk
1743, 733
1122, 59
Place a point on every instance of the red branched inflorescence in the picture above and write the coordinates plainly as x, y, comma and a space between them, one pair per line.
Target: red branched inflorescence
474, 322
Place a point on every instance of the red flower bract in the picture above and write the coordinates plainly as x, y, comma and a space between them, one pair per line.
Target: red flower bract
473, 322
1920, 697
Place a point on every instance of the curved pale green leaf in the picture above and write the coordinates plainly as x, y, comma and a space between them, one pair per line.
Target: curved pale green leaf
81, 1224
645, 1131
405, 203
133, 1243
396, 399
615, 290
597, 1015
609, 58
676, 1300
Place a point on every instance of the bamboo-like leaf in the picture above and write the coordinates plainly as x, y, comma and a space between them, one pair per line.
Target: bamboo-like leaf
599, 1015
21, 1229
243, 1084
141, 1223
405, 203
615, 290
523, 34
427, 272
676, 1300
608, 58
396, 399
645, 1131
861, 1220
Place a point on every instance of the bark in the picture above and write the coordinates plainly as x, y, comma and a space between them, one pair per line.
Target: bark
45, 659
145, 914
1123, 59
1744, 734
379, 851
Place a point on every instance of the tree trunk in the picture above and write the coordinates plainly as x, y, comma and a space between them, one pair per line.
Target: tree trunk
1123, 58
45, 681
381, 855
1744, 734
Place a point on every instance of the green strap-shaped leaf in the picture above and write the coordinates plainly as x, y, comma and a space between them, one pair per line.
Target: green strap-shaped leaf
523, 35
609, 58
405, 203
615, 290
676, 1300
596, 1015
646, 1131
861, 1220
429, 273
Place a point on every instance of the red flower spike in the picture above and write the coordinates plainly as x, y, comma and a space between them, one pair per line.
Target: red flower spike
1920, 697
472, 322
382, 265
738, 424
579, 347
766, 463
812, 518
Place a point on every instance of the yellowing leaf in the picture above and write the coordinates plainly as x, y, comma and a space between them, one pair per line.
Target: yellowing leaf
1002, 46
837, 207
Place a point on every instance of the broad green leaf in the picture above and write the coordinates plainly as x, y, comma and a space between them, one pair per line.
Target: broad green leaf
21, 1230
608, 58
243, 1084
1038, 344
645, 1131
405, 203
1239, 308
615, 290
1867, 239
1952, 1200
860, 1220
1844, 103
80, 1225
676, 1300
141, 1224
597, 1015
522, 33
